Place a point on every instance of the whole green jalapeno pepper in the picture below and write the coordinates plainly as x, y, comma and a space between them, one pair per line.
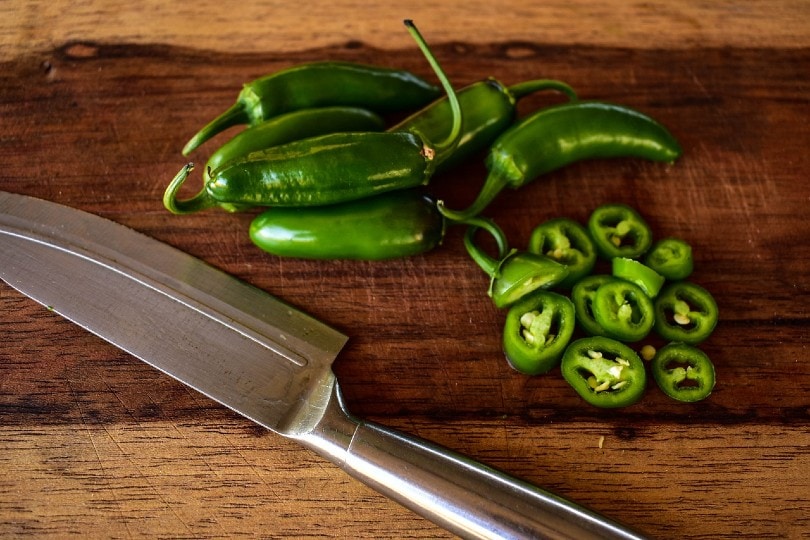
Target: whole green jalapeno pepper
567, 242
320, 84
686, 312
515, 274
488, 108
672, 258
618, 230
623, 310
562, 134
328, 169
537, 330
604, 372
275, 131
683, 372
390, 225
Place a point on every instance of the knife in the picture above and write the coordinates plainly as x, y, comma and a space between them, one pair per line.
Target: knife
263, 359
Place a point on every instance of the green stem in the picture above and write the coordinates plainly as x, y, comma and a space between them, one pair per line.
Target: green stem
530, 87
493, 185
452, 140
200, 201
235, 115
488, 264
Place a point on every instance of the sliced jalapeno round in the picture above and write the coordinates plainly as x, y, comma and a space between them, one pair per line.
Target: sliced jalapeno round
604, 372
582, 294
642, 275
567, 242
672, 258
623, 310
619, 231
686, 312
683, 372
537, 330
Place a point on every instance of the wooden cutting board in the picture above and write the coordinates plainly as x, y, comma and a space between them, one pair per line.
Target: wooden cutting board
96, 101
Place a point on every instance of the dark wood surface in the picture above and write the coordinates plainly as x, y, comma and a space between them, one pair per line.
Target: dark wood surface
94, 443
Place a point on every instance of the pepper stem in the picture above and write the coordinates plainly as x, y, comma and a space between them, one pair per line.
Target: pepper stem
493, 185
200, 201
530, 87
488, 264
452, 140
235, 115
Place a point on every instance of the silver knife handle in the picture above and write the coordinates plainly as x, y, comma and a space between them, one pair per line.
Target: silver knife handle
457, 493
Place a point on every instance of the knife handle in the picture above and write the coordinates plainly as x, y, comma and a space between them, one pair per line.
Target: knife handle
457, 493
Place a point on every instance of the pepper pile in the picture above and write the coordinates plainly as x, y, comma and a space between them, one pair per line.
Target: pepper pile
646, 292
336, 183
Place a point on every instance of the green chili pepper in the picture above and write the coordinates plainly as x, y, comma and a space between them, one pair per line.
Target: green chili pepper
582, 295
619, 231
328, 169
604, 372
537, 330
683, 372
516, 274
672, 258
280, 130
320, 84
686, 312
488, 108
623, 310
567, 242
645, 277
563, 134
390, 225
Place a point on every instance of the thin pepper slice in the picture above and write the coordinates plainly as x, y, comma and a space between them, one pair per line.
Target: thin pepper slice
623, 310
516, 274
685, 311
582, 295
537, 330
557, 136
604, 372
672, 258
489, 107
683, 372
645, 277
619, 231
568, 243
320, 84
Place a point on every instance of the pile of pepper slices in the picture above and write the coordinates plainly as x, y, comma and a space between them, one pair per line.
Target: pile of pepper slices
340, 185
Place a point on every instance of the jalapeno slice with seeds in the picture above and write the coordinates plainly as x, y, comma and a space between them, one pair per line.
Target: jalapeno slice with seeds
619, 231
604, 372
537, 330
567, 242
672, 258
683, 372
624, 311
685, 311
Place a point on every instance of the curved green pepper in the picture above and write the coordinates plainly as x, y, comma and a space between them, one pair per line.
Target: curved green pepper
390, 225
537, 330
568, 243
320, 84
604, 372
328, 169
582, 295
488, 108
672, 258
275, 131
619, 231
645, 277
683, 372
516, 274
623, 310
686, 312
557, 136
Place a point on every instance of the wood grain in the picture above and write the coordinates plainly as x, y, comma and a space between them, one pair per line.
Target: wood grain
94, 108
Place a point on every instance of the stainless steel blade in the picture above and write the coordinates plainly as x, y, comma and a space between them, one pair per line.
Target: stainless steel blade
263, 359
167, 308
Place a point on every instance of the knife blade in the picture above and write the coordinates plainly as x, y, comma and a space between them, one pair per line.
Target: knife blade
262, 358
